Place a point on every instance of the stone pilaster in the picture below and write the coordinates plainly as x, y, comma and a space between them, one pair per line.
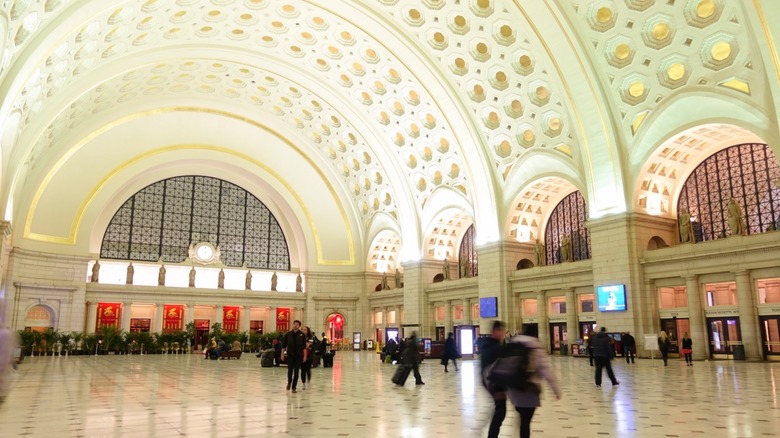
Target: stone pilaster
541, 311
494, 268
748, 321
571, 318
696, 318
417, 316
91, 317
126, 313
158, 318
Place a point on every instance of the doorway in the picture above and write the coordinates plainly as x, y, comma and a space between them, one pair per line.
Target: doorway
335, 328
202, 333
558, 335
723, 333
770, 336
675, 328
585, 329
440, 334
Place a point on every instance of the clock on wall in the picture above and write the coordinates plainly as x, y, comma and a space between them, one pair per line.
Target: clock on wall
204, 253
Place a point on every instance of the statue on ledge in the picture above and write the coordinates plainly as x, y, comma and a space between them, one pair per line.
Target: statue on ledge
686, 229
464, 267
397, 279
384, 281
446, 269
221, 279
96, 271
566, 254
192, 277
248, 281
539, 252
161, 276
299, 283
736, 224
130, 273
274, 281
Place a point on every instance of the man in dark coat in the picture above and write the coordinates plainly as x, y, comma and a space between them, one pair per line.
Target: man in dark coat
412, 358
629, 347
490, 348
450, 352
294, 344
602, 354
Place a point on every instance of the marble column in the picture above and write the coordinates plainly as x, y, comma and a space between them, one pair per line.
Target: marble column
696, 321
189, 314
91, 316
158, 318
220, 316
447, 317
571, 318
126, 314
466, 311
416, 309
541, 311
243, 319
748, 320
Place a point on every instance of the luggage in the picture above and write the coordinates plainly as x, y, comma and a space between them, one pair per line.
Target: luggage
401, 374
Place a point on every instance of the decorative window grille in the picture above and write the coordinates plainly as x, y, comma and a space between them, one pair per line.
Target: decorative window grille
568, 217
162, 220
747, 173
467, 250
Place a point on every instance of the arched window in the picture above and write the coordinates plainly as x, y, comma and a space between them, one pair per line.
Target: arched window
568, 218
162, 220
468, 254
747, 173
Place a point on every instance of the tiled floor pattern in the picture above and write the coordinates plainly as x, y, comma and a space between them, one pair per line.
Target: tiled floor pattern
186, 396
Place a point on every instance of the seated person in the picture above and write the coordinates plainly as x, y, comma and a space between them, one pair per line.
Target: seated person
209, 353
236, 346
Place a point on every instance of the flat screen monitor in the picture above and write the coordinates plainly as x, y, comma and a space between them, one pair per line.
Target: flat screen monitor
611, 298
488, 307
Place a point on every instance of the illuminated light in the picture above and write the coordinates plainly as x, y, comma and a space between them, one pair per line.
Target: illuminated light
523, 233
381, 266
654, 204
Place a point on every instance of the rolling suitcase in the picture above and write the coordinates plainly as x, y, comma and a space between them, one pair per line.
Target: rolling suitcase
401, 374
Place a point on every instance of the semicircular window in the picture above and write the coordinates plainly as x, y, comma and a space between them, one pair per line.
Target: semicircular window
162, 220
568, 219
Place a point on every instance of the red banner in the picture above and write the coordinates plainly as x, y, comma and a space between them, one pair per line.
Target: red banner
108, 315
282, 319
230, 319
172, 317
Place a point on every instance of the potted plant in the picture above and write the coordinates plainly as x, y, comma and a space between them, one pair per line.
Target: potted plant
27, 341
111, 337
66, 340
78, 338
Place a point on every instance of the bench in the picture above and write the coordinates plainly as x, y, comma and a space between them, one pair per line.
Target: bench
231, 354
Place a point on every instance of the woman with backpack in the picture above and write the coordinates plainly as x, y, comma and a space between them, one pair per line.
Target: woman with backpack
527, 398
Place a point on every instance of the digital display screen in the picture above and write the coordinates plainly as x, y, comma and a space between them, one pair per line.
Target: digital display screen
611, 298
488, 307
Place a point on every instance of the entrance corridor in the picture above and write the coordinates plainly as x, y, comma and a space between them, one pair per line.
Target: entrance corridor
186, 396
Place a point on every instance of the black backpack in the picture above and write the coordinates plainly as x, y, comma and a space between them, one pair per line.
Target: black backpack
512, 369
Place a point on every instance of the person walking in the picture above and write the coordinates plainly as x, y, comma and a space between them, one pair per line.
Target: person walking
490, 348
526, 400
589, 343
664, 344
412, 357
450, 352
687, 349
308, 357
602, 355
629, 347
294, 344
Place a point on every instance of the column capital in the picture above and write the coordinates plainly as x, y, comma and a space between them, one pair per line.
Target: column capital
692, 277
743, 272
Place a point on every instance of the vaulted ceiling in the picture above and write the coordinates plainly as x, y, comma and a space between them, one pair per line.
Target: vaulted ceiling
376, 122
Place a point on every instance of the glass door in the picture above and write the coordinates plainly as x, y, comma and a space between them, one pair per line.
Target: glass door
466, 337
723, 333
558, 335
770, 336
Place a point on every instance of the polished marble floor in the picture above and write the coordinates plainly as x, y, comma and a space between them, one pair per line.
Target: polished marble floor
186, 396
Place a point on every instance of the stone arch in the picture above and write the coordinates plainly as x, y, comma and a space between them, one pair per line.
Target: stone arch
656, 242
525, 264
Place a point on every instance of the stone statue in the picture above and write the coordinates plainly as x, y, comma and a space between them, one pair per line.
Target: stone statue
397, 279
446, 269
539, 252
130, 273
384, 281
221, 279
96, 271
192, 277
248, 281
686, 229
464, 267
161, 276
566, 254
736, 224
274, 281
299, 283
